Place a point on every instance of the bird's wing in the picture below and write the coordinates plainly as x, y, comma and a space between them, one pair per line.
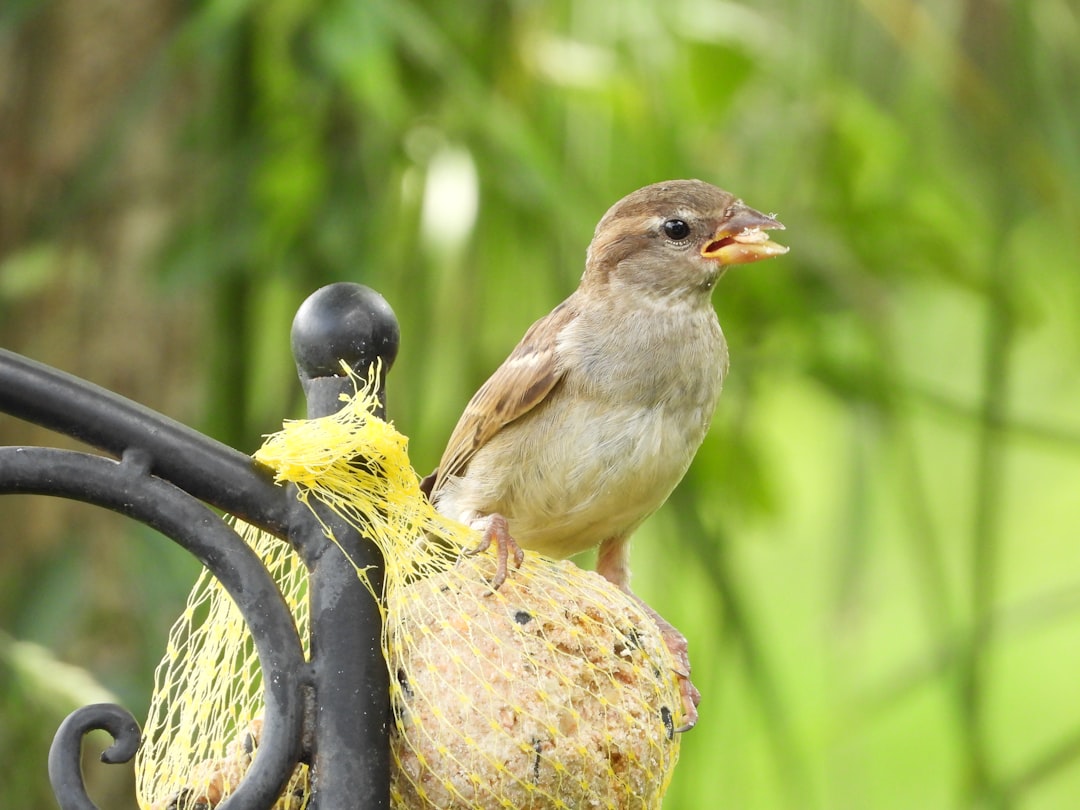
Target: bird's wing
524, 379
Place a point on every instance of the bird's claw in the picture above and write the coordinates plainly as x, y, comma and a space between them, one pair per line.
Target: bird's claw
680, 651
690, 699
496, 530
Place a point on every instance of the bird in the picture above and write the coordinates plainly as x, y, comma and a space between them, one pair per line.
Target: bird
595, 416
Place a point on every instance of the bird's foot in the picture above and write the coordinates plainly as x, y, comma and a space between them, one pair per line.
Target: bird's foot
495, 529
680, 651
691, 697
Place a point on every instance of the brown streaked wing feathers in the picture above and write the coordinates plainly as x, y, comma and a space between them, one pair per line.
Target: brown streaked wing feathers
517, 386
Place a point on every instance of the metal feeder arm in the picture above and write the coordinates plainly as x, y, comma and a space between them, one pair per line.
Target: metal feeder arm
332, 711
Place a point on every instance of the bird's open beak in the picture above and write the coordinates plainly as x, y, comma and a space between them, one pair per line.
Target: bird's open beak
742, 238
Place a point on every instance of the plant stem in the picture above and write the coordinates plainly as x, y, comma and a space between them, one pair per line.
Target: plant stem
989, 477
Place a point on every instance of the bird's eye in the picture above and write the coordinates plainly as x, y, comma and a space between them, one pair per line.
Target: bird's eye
676, 230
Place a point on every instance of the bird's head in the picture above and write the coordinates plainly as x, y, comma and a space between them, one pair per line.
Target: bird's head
677, 238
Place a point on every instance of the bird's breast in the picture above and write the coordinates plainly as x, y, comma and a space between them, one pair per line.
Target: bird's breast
605, 449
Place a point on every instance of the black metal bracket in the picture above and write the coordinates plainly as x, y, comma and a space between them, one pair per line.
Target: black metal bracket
165, 475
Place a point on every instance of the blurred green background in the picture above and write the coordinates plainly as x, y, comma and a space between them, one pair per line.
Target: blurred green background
875, 556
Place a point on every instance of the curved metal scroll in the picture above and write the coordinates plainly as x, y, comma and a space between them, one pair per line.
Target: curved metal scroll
65, 761
337, 701
127, 488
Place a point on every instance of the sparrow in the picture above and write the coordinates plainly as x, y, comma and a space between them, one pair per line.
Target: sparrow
590, 423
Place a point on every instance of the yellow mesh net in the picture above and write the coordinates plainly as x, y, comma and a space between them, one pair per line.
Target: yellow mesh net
555, 691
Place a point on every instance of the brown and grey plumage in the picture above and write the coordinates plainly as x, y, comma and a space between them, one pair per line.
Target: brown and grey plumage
594, 418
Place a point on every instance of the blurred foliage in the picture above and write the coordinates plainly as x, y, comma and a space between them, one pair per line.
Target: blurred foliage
874, 556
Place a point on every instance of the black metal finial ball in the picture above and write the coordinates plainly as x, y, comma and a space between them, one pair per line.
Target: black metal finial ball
343, 321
